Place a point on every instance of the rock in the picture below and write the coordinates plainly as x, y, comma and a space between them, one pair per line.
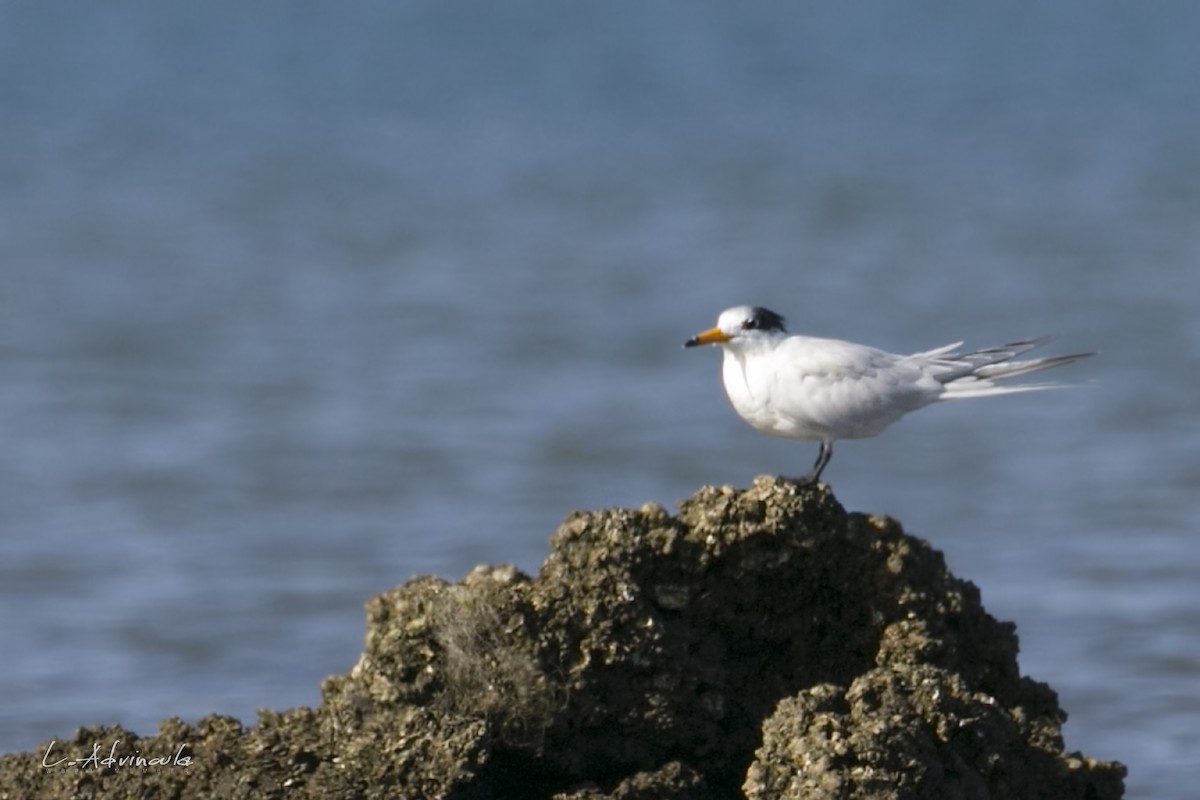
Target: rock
762, 642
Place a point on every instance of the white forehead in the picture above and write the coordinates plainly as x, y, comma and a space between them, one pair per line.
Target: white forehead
733, 318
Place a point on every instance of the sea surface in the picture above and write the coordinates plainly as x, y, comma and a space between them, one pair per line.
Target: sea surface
299, 300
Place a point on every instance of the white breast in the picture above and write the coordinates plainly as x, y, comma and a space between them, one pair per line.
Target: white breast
751, 392
807, 388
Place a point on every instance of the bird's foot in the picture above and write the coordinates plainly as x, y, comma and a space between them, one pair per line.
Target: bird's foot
801, 482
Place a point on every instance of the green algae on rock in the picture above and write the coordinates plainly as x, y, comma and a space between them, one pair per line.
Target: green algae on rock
762, 643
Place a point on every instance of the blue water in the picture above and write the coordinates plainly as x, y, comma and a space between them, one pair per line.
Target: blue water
299, 300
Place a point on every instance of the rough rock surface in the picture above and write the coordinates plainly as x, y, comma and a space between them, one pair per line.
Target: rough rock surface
762, 643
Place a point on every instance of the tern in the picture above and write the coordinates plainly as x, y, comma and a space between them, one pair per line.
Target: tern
822, 390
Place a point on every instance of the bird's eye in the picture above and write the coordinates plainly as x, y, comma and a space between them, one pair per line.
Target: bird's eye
750, 325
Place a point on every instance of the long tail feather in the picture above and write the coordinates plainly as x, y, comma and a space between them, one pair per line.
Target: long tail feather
972, 374
966, 389
1014, 368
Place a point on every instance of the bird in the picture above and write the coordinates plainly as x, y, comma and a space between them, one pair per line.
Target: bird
823, 390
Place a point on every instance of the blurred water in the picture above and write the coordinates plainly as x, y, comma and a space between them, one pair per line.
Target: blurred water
298, 300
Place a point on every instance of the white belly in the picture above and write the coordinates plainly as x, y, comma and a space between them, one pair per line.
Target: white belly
785, 395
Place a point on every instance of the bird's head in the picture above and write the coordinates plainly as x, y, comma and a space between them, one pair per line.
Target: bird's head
741, 325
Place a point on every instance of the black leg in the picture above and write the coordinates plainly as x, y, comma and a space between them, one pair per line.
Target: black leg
814, 474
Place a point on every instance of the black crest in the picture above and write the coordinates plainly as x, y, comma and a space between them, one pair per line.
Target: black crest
764, 319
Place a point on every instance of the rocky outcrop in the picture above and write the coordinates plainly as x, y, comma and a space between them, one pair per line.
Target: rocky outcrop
762, 643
